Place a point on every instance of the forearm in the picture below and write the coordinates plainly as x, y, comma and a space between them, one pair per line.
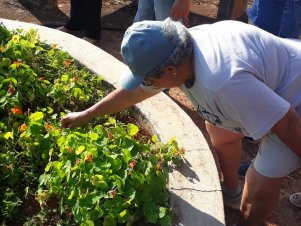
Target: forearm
288, 129
116, 101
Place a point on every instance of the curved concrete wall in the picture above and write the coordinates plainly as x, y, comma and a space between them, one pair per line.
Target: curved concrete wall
195, 190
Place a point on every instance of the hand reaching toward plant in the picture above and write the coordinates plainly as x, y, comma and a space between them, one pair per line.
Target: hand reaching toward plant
74, 119
115, 101
180, 10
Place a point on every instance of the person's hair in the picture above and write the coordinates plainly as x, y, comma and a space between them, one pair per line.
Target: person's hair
178, 34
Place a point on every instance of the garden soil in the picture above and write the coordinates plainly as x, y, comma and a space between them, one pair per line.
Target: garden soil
116, 16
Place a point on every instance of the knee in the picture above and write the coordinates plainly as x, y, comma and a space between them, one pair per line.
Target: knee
222, 137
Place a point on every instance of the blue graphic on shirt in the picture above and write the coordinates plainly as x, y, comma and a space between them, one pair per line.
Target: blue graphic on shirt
208, 116
215, 120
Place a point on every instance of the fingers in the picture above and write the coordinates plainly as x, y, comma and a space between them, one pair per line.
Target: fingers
65, 122
72, 120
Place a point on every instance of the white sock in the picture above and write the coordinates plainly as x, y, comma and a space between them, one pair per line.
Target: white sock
231, 192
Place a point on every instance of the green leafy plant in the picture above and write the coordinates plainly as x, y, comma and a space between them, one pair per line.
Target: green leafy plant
106, 173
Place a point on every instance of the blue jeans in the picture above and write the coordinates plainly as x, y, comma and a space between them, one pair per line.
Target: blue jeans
279, 17
153, 10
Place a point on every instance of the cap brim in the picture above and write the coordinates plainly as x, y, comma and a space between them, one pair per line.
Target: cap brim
130, 81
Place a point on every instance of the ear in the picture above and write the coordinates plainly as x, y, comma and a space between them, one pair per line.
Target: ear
170, 71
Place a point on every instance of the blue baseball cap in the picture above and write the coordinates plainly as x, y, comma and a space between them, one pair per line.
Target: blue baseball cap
144, 48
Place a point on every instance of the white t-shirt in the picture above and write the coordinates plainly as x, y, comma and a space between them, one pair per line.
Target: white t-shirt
245, 78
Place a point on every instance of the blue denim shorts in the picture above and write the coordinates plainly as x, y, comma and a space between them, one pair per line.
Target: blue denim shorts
279, 17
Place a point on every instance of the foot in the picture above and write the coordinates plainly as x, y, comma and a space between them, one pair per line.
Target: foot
64, 29
91, 40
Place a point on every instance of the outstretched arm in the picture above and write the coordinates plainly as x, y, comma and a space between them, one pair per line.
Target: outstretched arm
114, 102
180, 10
288, 129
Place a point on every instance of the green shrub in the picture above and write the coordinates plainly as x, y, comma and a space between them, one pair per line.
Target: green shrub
105, 173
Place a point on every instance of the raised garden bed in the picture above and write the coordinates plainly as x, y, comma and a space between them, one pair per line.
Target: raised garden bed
195, 195
104, 173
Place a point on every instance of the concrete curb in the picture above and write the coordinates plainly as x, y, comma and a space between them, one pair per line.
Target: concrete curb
195, 190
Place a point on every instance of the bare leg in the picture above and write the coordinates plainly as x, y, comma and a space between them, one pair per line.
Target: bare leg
228, 146
260, 196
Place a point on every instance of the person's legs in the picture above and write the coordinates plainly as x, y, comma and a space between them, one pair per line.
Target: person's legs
75, 21
273, 162
163, 8
287, 25
92, 18
228, 147
145, 11
260, 195
291, 20
297, 15
267, 14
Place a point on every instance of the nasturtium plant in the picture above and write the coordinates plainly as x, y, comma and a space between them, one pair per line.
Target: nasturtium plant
106, 173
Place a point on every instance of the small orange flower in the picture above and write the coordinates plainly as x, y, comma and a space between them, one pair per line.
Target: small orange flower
89, 158
1, 48
22, 128
67, 63
110, 135
132, 164
69, 150
43, 195
18, 63
47, 127
16, 110
78, 161
74, 79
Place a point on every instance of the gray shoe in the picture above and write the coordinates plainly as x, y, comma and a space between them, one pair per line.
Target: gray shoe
295, 199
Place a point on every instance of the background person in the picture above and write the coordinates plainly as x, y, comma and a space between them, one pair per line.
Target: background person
279, 17
85, 15
162, 9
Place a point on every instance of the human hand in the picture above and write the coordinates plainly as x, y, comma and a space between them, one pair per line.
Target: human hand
180, 10
74, 119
